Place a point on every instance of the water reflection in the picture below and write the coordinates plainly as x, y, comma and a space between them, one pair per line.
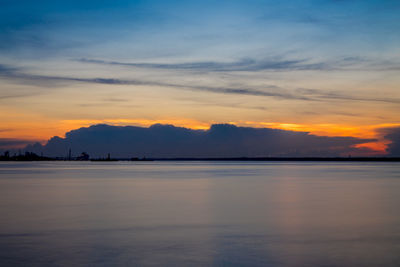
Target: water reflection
200, 213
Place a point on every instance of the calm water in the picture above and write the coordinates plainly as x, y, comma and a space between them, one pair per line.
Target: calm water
199, 213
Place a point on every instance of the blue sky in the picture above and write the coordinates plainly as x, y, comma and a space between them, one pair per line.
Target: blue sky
318, 64
199, 29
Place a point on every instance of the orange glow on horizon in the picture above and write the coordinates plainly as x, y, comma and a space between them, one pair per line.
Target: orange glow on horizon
331, 130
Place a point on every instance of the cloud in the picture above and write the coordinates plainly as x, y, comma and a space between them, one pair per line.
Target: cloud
7, 71
9, 143
240, 65
331, 95
215, 103
252, 65
221, 140
393, 135
45, 80
305, 94
5, 97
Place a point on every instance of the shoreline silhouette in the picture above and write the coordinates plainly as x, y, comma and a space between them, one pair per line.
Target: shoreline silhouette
30, 156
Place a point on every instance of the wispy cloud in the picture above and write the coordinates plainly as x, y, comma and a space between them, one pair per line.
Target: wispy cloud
11, 96
265, 91
7, 70
238, 105
16, 74
253, 65
246, 64
331, 95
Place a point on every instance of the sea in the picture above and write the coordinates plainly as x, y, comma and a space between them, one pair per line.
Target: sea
199, 213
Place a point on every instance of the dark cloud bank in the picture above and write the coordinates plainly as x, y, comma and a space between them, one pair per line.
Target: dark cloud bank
221, 140
10, 143
393, 134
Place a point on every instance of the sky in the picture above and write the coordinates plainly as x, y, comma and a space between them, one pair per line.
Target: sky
327, 67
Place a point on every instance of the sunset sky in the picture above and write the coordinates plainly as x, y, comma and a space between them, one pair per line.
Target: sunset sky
328, 67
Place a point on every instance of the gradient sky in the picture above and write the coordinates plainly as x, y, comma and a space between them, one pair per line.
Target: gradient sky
331, 67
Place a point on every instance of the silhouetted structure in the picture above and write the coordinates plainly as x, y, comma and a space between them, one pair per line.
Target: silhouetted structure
105, 159
141, 159
83, 156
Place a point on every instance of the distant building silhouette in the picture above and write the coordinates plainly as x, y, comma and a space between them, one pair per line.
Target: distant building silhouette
83, 156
